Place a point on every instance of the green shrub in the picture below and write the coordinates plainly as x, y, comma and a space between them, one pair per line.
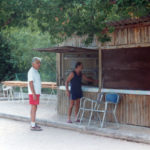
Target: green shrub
6, 62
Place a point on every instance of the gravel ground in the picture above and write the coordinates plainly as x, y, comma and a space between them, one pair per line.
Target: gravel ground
16, 135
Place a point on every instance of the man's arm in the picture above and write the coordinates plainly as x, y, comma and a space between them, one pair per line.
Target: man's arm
32, 89
69, 78
88, 79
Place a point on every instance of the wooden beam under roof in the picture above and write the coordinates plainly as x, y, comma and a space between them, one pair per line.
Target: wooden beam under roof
67, 49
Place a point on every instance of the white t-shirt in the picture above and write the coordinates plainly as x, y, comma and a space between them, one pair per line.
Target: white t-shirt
33, 75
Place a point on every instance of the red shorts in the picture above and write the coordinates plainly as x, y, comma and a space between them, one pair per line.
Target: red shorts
34, 101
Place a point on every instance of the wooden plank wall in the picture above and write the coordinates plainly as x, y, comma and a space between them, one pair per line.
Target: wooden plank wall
132, 109
126, 68
63, 101
129, 36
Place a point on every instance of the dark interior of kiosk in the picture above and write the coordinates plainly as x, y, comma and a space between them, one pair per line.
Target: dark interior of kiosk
126, 68
90, 65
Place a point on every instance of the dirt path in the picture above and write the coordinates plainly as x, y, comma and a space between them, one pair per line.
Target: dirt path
17, 136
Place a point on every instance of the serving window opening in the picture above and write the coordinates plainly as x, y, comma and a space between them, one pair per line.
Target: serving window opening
90, 66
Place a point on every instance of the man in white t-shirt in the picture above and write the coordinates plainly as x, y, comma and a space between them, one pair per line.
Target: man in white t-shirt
34, 90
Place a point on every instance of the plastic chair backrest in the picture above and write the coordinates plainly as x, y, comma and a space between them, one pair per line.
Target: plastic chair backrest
1, 87
99, 97
4, 87
112, 98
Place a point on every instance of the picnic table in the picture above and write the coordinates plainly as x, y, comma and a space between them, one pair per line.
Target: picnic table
23, 84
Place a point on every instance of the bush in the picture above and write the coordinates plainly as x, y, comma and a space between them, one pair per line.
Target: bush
6, 62
23, 41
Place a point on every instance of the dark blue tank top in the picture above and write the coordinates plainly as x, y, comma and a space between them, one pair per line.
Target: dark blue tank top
76, 83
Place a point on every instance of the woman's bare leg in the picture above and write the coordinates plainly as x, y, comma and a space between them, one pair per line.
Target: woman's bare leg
70, 109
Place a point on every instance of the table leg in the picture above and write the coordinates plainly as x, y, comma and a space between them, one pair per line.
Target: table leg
21, 94
11, 94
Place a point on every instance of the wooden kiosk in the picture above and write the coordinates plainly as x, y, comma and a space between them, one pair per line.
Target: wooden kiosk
121, 66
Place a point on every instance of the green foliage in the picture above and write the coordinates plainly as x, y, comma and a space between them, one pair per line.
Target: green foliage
6, 62
62, 18
22, 42
15, 12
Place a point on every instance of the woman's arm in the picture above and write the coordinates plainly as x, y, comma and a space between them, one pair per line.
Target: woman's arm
69, 78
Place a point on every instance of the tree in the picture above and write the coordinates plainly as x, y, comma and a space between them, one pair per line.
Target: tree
6, 62
62, 18
22, 42
15, 12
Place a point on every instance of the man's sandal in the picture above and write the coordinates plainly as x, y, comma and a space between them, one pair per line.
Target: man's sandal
35, 129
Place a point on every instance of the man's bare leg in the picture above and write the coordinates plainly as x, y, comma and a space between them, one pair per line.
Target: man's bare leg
77, 105
34, 126
70, 109
33, 114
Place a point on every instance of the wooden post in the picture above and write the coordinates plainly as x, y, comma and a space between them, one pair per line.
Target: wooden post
100, 68
58, 67
62, 70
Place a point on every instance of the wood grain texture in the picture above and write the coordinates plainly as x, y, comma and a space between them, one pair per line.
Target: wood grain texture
126, 68
100, 68
129, 36
121, 36
63, 101
58, 61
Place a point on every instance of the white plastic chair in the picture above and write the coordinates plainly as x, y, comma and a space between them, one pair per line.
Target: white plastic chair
7, 92
21, 95
112, 99
94, 104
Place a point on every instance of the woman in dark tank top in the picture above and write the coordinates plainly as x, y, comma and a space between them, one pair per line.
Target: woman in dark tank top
75, 93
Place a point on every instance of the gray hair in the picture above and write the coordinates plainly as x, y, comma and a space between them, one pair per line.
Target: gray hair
35, 59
